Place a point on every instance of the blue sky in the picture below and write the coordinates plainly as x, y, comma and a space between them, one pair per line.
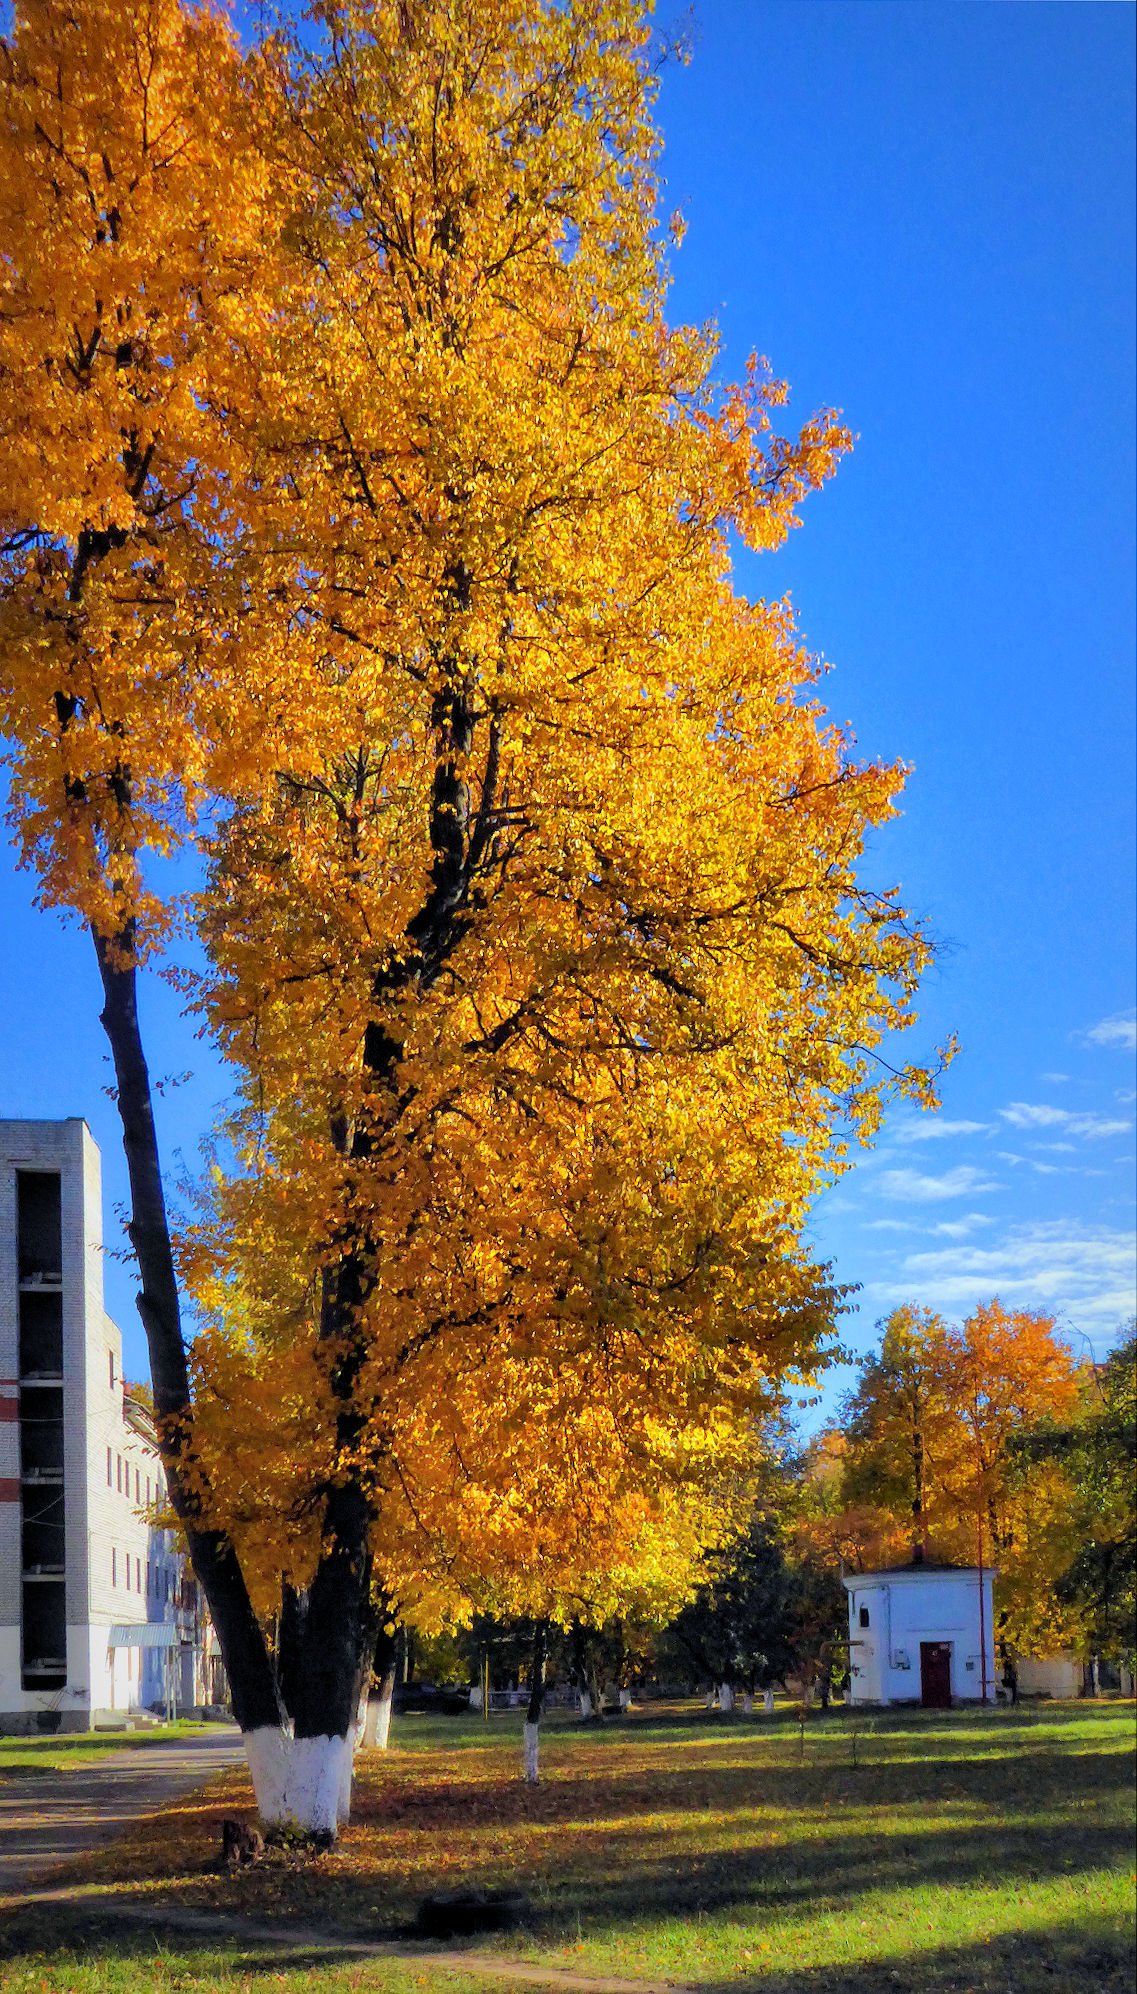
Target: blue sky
922, 213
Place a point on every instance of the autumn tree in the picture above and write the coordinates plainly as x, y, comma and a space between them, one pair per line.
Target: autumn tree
366, 521
1095, 1447
898, 1422
135, 215
771, 1606
932, 1441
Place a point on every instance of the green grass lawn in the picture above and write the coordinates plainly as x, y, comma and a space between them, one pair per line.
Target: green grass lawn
56, 1753
962, 1851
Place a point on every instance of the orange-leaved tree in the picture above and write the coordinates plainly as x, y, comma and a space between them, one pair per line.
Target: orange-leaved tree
930, 1450
398, 554
138, 224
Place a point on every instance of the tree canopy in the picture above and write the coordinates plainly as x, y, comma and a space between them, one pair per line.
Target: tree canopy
368, 527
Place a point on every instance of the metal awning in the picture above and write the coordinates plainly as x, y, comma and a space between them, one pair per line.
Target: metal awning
144, 1634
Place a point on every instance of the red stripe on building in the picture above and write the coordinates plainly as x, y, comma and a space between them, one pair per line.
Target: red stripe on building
9, 1408
9, 1488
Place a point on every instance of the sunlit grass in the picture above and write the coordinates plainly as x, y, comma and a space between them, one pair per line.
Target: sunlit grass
56, 1753
961, 1851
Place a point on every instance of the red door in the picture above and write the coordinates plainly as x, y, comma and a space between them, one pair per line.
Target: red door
935, 1675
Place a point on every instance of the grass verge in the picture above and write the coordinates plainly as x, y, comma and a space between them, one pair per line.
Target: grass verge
56, 1753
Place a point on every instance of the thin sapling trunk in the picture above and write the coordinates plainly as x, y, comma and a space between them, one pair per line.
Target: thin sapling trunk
536, 1701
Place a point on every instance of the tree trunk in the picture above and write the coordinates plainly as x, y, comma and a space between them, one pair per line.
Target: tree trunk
301, 1769
536, 1701
248, 1665
290, 1641
384, 1669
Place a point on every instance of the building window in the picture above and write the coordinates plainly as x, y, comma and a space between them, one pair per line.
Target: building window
126, 1562
864, 1616
137, 1485
114, 1566
110, 1467
138, 1575
118, 1472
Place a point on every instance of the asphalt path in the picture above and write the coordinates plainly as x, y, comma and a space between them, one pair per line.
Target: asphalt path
48, 1818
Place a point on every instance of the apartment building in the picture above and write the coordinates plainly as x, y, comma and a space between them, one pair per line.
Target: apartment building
99, 1614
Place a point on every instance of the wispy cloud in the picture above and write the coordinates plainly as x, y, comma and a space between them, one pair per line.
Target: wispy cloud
1055, 1079
917, 1187
1119, 1030
1086, 1274
932, 1129
1030, 1162
943, 1229
959, 1228
1040, 1115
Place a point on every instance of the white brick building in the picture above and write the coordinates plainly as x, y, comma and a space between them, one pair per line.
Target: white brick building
98, 1613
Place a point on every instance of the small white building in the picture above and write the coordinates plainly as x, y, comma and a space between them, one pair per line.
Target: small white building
98, 1613
921, 1633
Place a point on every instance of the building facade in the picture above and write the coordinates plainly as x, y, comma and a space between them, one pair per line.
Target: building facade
921, 1634
98, 1614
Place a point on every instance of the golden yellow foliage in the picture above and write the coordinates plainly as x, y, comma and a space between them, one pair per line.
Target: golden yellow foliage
364, 503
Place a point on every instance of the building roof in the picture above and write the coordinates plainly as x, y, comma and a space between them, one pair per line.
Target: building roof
917, 1568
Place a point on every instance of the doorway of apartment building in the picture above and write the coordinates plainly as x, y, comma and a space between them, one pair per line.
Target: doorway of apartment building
935, 1675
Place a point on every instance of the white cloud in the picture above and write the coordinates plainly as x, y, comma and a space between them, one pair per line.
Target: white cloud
959, 1228
945, 1229
930, 1130
1119, 1030
917, 1188
1055, 1079
1083, 1273
1025, 1115
1039, 1115
1031, 1163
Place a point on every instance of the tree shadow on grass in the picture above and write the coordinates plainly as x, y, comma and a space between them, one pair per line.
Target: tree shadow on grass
629, 1849
429, 1803
1066, 1959
1071, 1958
809, 1878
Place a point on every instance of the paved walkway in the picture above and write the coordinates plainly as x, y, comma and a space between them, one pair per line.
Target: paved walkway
48, 1817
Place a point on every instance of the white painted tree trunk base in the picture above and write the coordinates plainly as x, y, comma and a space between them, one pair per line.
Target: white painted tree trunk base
531, 1749
377, 1723
302, 1783
726, 1696
625, 1699
768, 1702
747, 1703
585, 1703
